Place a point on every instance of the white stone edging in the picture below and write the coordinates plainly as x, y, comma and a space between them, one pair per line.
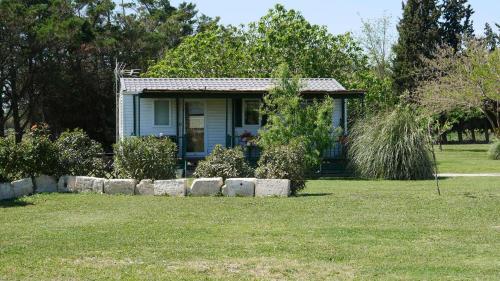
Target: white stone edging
233, 187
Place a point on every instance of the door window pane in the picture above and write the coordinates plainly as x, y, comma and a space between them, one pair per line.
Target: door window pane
195, 126
162, 112
251, 112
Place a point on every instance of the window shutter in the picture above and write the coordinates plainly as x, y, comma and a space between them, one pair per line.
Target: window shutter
238, 107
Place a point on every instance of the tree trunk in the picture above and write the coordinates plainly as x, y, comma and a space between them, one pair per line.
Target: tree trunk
473, 135
444, 138
14, 103
487, 135
460, 136
2, 118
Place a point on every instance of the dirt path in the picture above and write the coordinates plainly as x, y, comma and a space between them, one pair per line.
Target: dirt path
453, 175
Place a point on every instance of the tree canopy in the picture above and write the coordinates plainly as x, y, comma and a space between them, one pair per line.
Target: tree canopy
280, 37
467, 80
57, 57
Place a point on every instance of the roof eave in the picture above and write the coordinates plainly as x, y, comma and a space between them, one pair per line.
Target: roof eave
353, 93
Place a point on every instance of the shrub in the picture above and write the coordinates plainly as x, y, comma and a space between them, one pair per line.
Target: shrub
391, 145
37, 153
79, 155
494, 151
9, 159
284, 162
145, 158
225, 163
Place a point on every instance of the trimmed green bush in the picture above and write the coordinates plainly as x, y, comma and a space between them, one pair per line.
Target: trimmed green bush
284, 162
225, 163
79, 155
10, 158
391, 145
145, 158
38, 154
494, 151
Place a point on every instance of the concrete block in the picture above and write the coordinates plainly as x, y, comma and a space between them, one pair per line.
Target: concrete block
174, 188
119, 186
145, 187
272, 187
22, 187
206, 187
239, 187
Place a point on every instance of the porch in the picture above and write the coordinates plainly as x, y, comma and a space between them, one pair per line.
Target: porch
199, 114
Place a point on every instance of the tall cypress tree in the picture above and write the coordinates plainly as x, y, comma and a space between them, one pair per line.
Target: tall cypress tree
491, 38
418, 36
457, 23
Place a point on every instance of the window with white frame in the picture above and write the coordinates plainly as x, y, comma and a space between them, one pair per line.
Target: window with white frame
251, 115
162, 112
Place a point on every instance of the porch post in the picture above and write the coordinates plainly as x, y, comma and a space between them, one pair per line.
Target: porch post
227, 117
134, 132
177, 121
183, 144
344, 103
342, 120
232, 123
139, 115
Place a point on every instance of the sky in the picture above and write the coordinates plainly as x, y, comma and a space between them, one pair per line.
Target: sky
339, 16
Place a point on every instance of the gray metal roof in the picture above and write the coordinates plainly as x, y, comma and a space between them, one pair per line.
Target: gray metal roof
223, 84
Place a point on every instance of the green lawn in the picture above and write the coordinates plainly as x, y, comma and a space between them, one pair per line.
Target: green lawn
466, 158
337, 229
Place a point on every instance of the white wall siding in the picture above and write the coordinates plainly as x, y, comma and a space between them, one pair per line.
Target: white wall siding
215, 127
126, 115
147, 126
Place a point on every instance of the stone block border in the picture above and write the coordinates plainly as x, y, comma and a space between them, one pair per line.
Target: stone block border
233, 187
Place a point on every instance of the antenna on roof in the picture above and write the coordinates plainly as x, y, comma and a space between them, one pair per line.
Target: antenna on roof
121, 72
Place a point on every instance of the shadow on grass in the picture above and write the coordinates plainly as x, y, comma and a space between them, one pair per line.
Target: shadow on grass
470, 195
312, 194
353, 178
466, 150
14, 203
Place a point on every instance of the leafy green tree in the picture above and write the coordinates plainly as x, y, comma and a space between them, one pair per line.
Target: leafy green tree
418, 37
377, 41
280, 37
216, 52
291, 118
467, 80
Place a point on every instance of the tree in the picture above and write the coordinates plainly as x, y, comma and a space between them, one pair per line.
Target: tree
57, 57
377, 41
491, 38
465, 80
290, 118
216, 52
418, 37
457, 24
280, 37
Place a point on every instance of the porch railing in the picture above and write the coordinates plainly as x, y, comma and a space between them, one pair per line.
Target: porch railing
252, 152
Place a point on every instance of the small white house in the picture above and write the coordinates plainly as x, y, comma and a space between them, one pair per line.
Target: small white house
199, 113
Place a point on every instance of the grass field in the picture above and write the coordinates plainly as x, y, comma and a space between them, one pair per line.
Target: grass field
466, 158
336, 230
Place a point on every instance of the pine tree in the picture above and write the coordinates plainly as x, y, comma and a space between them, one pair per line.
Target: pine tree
457, 23
418, 36
491, 38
